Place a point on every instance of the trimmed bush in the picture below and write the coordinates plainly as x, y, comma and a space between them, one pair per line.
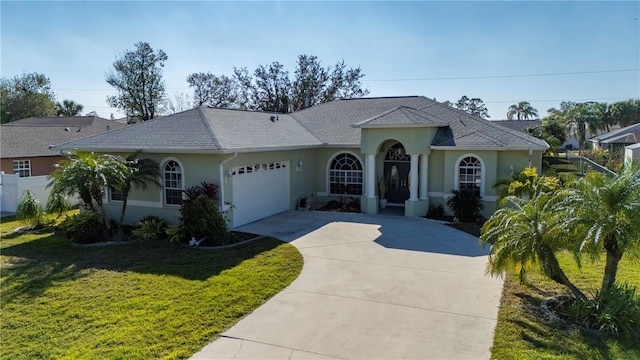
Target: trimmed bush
84, 228
201, 219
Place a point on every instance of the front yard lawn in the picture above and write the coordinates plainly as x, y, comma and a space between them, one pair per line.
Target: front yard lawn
133, 301
522, 332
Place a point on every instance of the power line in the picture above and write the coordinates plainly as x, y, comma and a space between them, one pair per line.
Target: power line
506, 76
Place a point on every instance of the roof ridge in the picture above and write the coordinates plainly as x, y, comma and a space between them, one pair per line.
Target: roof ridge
203, 118
304, 126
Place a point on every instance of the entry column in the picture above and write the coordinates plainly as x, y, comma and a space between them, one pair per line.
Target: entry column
369, 202
413, 179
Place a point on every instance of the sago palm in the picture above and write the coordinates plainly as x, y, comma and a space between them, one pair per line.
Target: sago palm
604, 214
524, 233
87, 174
139, 173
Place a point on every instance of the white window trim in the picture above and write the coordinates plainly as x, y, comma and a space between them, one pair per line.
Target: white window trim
109, 198
163, 163
24, 161
328, 172
483, 169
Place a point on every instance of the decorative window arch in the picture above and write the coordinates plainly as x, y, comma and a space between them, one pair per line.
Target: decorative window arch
173, 182
345, 174
470, 174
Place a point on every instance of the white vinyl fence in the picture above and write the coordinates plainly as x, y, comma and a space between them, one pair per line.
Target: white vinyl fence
12, 186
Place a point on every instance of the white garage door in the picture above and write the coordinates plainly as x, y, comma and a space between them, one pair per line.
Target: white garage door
260, 190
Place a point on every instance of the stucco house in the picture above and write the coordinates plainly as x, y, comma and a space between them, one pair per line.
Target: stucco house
26, 144
266, 162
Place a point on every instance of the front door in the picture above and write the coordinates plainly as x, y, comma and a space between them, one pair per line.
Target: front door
397, 165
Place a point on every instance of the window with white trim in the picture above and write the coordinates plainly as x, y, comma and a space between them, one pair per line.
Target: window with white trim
345, 175
22, 168
470, 174
115, 194
173, 185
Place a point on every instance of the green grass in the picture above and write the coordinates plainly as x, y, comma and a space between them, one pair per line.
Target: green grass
133, 301
523, 333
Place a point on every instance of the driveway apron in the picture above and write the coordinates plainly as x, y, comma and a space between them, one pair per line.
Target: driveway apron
372, 287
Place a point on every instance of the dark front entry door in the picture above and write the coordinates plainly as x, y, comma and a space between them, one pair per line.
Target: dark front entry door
397, 176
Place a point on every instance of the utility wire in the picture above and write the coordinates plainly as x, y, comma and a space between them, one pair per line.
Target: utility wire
507, 76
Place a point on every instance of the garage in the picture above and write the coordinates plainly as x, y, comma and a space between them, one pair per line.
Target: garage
260, 190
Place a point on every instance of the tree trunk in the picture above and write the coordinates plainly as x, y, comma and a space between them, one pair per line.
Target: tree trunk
611, 263
552, 269
125, 197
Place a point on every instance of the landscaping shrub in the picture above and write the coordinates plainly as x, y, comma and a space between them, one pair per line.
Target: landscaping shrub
465, 205
435, 212
616, 311
84, 228
30, 210
205, 188
150, 228
202, 219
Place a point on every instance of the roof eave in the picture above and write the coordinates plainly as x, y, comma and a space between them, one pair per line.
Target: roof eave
387, 126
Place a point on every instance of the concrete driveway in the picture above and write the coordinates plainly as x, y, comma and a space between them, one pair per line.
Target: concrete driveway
372, 287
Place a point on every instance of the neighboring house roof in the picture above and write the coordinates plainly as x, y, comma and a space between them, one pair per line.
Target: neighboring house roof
519, 125
336, 123
627, 134
32, 137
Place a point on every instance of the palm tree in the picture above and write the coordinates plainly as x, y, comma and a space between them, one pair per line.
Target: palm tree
69, 108
522, 111
524, 233
87, 174
139, 173
602, 213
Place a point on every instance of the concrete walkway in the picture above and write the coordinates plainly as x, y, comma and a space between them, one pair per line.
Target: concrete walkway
372, 287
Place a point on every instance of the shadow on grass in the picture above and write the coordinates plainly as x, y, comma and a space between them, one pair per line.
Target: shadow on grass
32, 266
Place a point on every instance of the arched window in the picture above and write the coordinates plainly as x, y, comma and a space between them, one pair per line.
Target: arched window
345, 175
470, 174
172, 181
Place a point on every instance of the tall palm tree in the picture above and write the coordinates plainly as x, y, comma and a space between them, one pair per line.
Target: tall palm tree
603, 214
69, 108
522, 111
525, 232
140, 172
87, 174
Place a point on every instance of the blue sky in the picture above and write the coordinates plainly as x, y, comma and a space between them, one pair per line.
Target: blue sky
450, 44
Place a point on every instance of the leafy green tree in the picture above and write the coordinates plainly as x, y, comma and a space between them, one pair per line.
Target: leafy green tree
602, 213
270, 88
474, 106
26, 95
522, 111
137, 76
137, 173
69, 108
525, 232
213, 91
88, 174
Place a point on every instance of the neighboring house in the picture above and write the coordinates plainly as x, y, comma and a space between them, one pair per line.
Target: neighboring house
617, 139
26, 144
632, 154
266, 163
26, 157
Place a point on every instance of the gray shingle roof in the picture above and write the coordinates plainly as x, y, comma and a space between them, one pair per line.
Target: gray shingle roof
401, 116
519, 125
631, 129
335, 123
31, 137
205, 130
